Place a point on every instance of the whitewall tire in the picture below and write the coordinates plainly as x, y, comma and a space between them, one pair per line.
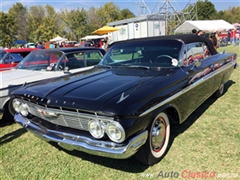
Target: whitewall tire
158, 140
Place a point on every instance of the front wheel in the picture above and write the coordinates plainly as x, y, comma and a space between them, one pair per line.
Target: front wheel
8, 112
158, 139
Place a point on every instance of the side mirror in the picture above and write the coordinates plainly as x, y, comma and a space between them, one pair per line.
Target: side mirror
197, 63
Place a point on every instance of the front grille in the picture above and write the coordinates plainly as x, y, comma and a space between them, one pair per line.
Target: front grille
66, 118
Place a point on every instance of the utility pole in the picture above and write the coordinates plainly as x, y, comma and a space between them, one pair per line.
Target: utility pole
167, 10
166, 18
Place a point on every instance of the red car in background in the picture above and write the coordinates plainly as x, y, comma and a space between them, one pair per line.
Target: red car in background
9, 58
70, 43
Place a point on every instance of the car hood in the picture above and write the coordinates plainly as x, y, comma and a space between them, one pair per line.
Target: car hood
15, 77
93, 89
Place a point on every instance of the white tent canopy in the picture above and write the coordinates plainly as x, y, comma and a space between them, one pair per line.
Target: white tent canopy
236, 24
205, 25
94, 37
58, 39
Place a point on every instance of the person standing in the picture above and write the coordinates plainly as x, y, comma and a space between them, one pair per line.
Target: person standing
214, 40
104, 46
194, 31
21, 46
200, 32
51, 46
237, 38
63, 44
40, 46
100, 42
233, 36
217, 36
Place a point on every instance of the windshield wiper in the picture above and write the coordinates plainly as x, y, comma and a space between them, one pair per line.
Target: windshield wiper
138, 67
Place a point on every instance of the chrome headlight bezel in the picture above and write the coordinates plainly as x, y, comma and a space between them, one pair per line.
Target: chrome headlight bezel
113, 129
16, 104
96, 129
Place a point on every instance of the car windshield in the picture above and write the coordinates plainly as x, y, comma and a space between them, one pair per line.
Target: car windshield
2, 54
145, 54
39, 60
16, 57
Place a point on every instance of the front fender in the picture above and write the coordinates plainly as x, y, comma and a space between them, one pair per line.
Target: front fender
170, 109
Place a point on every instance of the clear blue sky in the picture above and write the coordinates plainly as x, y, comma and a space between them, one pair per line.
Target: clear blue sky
132, 5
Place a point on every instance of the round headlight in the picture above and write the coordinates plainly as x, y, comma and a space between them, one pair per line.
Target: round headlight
115, 132
16, 103
96, 129
23, 108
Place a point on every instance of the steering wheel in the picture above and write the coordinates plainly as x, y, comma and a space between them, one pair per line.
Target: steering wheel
167, 56
164, 60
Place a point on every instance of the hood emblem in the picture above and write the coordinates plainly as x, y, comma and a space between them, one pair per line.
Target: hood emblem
47, 113
123, 97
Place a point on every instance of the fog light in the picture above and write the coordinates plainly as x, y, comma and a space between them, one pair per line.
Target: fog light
96, 129
16, 103
115, 132
23, 108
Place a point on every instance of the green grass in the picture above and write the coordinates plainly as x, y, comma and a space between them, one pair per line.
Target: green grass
208, 141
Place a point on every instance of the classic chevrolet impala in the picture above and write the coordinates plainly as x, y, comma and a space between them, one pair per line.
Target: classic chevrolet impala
41, 65
126, 104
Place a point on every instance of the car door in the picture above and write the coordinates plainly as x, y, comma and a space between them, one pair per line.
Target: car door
198, 64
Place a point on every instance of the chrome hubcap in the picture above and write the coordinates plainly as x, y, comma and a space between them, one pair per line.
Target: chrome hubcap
158, 134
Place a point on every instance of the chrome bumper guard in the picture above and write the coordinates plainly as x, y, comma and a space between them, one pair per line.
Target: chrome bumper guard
74, 142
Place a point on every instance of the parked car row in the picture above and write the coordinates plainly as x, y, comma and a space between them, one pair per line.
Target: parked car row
124, 105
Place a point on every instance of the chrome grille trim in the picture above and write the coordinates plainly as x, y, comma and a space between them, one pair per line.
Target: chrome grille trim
76, 120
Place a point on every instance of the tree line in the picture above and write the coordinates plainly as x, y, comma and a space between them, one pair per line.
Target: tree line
44, 23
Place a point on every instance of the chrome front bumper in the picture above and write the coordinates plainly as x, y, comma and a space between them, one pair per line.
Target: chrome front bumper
75, 142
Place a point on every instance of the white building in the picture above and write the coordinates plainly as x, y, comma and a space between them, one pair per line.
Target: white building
137, 27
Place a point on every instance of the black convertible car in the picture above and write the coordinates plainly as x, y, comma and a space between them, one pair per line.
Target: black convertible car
125, 105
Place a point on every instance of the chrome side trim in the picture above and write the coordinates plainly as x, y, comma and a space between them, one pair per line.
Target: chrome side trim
210, 75
71, 141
